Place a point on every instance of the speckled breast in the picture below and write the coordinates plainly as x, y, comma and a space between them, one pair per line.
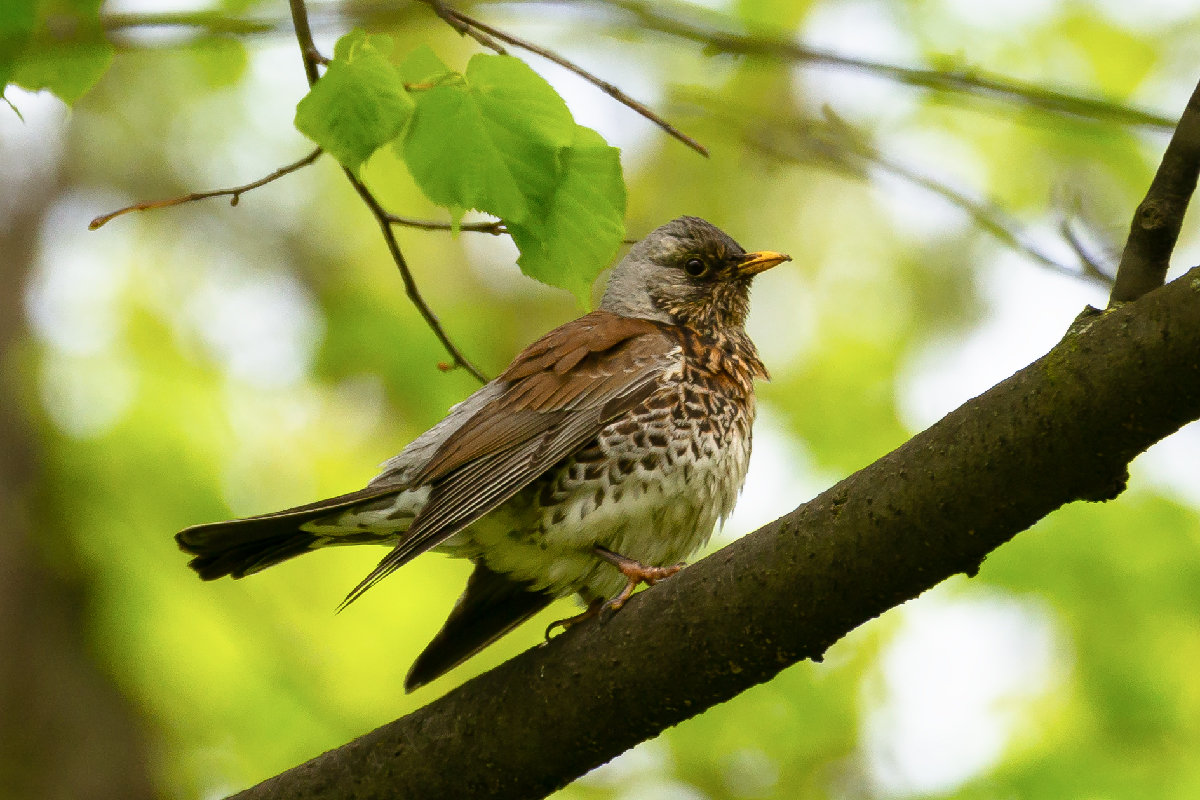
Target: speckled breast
651, 486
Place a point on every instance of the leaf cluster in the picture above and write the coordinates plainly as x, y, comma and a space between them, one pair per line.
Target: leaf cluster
494, 138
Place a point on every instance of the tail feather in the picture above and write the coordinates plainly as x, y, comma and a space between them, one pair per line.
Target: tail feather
491, 606
240, 547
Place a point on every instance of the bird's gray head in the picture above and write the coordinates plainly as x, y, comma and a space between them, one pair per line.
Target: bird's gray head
688, 272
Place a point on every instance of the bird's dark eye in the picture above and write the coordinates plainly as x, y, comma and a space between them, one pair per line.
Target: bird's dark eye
695, 268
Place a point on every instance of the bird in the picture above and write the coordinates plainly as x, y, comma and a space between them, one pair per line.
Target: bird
599, 460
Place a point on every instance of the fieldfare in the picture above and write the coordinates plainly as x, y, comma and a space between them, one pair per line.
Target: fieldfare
604, 454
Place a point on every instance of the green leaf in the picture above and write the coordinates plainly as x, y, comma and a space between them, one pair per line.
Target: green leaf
583, 223
490, 143
508, 90
359, 104
17, 21
423, 66
68, 71
35, 58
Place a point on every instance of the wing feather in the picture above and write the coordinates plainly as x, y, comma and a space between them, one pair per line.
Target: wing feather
562, 391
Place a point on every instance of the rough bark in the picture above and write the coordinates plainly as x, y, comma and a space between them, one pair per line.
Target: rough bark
1060, 430
1159, 217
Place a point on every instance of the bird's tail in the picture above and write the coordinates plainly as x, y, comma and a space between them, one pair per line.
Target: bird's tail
241, 547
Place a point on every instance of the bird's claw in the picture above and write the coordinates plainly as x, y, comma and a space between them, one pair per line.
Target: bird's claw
635, 573
594, 608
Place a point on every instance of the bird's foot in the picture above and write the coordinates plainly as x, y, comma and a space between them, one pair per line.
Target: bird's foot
635, 573
592, 610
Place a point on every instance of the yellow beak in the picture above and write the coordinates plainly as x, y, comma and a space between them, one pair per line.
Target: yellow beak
763, 260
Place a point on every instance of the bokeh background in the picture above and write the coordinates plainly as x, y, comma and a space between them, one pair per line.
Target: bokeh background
204, 361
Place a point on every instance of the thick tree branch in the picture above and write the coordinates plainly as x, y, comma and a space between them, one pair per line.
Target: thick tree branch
1157, 221
1059, 430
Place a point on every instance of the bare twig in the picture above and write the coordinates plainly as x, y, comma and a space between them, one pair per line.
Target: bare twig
604, 86
848, 151
410, 285
454, 20
1091, 263
1157, 221
992, 220
308, 48
210, 22
496, 228
652, 17
234, 194
310, 54
966, 81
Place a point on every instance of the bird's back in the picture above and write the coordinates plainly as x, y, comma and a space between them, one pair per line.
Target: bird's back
651, 485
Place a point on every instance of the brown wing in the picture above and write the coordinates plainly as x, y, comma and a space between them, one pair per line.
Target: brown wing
561, 391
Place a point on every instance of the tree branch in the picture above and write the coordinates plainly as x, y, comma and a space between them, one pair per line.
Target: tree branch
651, 16
961, 81
410, 285
1059, 430
234, 194
496, 228
1158, 219
311, 57
604, 86
847, 150
455, 20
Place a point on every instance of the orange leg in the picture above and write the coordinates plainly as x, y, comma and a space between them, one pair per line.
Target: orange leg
635, 572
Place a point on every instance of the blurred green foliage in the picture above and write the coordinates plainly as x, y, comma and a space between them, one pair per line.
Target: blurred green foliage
34, 56
193, 363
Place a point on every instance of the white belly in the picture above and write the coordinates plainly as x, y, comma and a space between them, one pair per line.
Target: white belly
657, 513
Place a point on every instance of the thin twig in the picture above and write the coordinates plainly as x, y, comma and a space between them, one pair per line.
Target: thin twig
604, 86
848, 150
234, 194
308, 48
652, 17
992, 220
410, 285
308, 52
494, 228
1157, 221
452, 18
1091, 263
211, 22
959, 81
